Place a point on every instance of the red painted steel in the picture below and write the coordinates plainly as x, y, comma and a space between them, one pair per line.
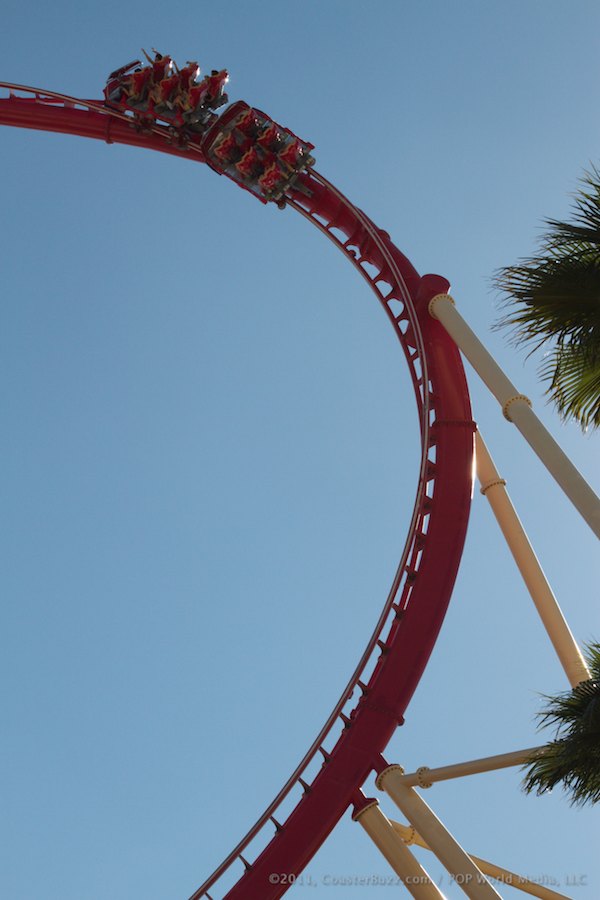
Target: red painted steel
87, 119
426, 591
419, 596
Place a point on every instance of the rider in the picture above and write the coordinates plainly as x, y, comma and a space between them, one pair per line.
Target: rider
162, 66
248, 123
272, 178
227, 149
188, 75
196, 96
138, 85
270, 138
215, 94
293, 155
163, 92
250, 164
185, 99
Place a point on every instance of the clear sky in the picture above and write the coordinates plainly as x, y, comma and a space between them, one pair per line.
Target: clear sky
209, 445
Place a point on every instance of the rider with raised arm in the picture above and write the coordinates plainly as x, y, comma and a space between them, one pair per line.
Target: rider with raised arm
162, 66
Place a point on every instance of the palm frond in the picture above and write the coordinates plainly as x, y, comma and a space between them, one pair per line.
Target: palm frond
586, 213
572, 759
574, 384
557, 298
579, 774
554, 298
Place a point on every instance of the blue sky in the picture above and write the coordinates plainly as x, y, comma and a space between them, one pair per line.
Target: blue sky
210, 447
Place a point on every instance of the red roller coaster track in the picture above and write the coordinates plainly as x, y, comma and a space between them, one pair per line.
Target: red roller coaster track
372, 705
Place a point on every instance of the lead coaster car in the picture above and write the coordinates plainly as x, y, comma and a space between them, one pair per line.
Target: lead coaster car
145, 111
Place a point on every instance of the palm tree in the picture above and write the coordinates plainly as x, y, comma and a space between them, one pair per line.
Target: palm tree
573, 758
554, 300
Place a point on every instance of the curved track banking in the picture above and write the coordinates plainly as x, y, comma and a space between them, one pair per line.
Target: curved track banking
373, 703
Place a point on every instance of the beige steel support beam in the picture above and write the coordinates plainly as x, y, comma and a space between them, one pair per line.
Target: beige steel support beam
494, 489
517, 409
410, 871
447, 849
425, 777
409, 835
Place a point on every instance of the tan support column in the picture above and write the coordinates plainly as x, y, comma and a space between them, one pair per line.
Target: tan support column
424, 777
494, 489
517, 409
505, 875
447, 849
412, 874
